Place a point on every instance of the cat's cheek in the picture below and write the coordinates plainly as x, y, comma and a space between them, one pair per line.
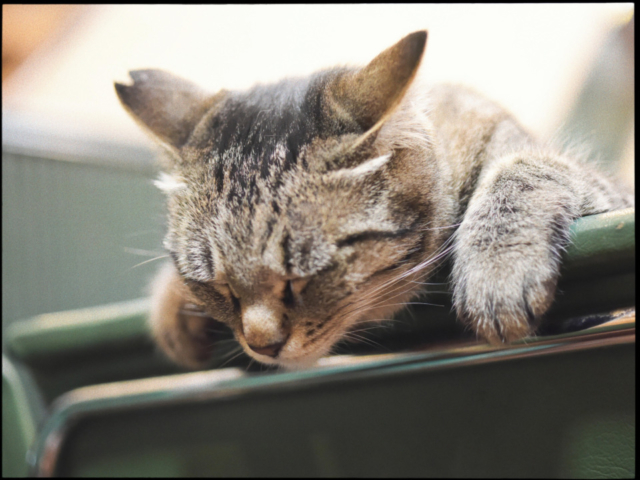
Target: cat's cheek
300, 352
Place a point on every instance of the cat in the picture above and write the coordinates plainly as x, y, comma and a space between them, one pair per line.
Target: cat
301, 209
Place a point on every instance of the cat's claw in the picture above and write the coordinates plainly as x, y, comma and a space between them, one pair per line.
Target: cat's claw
503, 300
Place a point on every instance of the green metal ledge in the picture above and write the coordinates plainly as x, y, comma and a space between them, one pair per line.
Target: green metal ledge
546, 408
84, 329
601, 244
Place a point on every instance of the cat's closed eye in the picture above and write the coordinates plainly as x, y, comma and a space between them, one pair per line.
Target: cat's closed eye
293, 290
373, 235
287, 292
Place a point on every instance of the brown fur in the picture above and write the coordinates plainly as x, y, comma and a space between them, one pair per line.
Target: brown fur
299, 210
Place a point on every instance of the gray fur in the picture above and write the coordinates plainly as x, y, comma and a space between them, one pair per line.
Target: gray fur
301, 209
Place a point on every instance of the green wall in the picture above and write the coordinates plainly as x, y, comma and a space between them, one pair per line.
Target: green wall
70, 231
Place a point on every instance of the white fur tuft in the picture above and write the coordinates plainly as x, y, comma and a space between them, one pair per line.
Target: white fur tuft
169, 183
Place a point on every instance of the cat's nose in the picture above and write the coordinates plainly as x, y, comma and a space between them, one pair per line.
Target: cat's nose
268, 350
265, 329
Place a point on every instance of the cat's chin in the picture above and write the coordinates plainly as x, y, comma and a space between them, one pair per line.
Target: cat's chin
289, 362
298, 364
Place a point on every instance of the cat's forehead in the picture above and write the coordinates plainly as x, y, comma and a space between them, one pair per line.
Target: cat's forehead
245, 151
291, 112
255, 122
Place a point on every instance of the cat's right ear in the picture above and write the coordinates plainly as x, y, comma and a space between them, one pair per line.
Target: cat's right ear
370, 95
168, 106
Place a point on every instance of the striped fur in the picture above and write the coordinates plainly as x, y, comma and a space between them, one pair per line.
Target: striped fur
301, 209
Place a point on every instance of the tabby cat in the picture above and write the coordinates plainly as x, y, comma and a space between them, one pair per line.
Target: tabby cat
301, 209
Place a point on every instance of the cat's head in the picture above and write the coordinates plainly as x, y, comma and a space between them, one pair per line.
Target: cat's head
287, 219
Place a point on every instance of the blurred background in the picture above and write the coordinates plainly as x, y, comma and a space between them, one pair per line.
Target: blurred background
82, 222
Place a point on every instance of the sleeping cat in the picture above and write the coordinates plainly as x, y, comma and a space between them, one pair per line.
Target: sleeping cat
301, 209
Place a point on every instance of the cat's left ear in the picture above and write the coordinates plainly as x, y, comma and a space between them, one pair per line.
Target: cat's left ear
168, 106
370, 95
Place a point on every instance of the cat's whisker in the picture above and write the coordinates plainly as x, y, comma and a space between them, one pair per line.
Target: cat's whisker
377, 324
444, 250
360, 306
226, 341
232, 358
251, 361
148, 261
367, 297
370, 294
366, 308
370, 328
437, 255
361, 309
236, 348
221, 343
455, 225
360, 338
140, 251
423, 303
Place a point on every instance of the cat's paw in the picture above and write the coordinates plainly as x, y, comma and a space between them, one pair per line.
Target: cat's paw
189, 339
182, 330
502, 292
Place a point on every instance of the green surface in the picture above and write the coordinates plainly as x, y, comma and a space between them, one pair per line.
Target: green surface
81, 347
601, 245
72, 233
85, 329
601, 446
541, 416
22, 410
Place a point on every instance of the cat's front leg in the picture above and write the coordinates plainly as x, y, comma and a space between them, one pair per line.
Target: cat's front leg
508, 246
181, 329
